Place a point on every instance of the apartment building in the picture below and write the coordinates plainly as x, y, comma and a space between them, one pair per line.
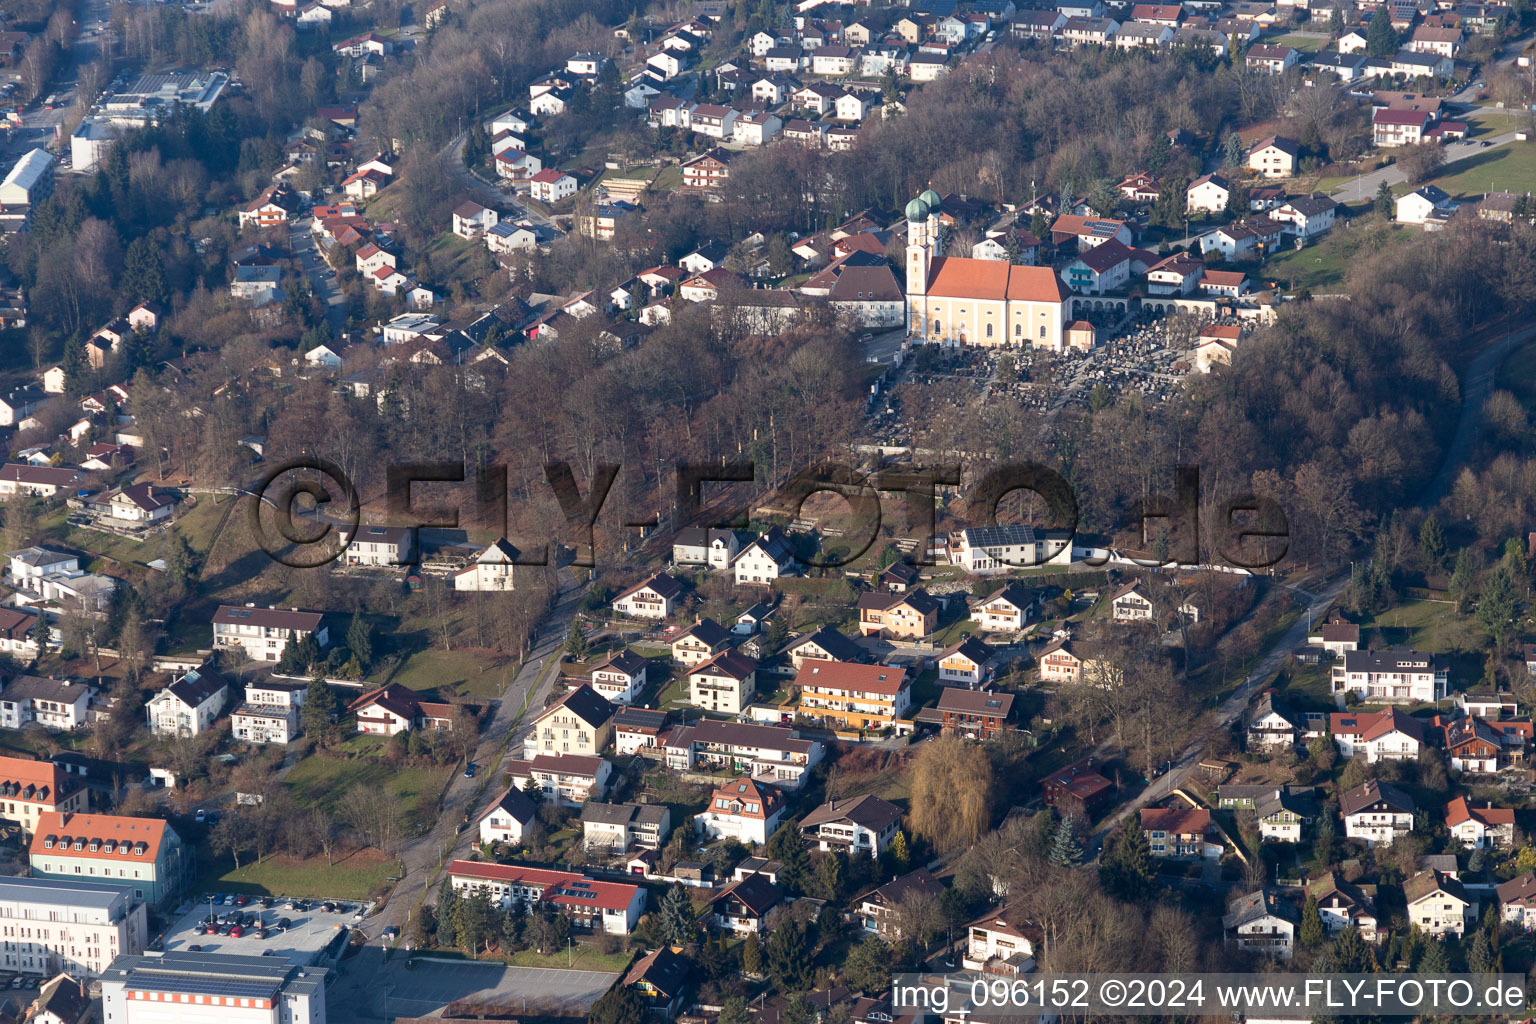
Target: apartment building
30, 789
52, 926
143, 854
181, 987
851, 696
264, 633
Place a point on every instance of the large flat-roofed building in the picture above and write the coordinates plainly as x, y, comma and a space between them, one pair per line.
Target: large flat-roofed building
155, 95
90, 143
29, 181
144, 854
48, 926
211, 988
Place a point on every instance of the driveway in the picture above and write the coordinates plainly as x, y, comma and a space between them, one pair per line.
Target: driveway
321, 277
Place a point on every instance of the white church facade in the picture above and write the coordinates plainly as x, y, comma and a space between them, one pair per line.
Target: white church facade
955, 300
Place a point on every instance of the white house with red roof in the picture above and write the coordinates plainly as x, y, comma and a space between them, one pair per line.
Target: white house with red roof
1383, 735
551, 186
1481, 828
743, 809
613, 908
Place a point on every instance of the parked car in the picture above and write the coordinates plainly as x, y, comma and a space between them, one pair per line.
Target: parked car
194, 948
470, 769
236, 931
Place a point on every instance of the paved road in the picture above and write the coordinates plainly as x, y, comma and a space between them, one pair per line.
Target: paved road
321, 277
1230, 710
423, 855
1365, 186
484, 192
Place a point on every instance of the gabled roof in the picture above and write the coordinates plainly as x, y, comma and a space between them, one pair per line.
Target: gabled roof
707, 631
966, 278
663, 585
1521, 890
516, 803
755, 892
731, 664
1256, 906
835, 644
1014, 593
1176, 820
968, 647
1371, 792
196, 687
586, 704
626, 661
843, 675
867, 811
1427, 883
1457, 812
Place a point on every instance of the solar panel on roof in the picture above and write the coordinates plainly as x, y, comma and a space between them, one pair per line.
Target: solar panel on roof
209, 985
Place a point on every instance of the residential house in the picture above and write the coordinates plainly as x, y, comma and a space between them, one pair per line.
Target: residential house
661, 977
620, 677
742, 907
189, 706
695, 545
1006, 609
825, 644
1179, 832
1178, 274
860, 826
615, 828
1381, 735
966, 661
1343, 905
1079, 790
493, 569
742, 809
1130, 603
723, 684
1002, 942
571, 779
1271, 726
764, 559
37, 481
269, 713
264, 633
1376, 813
655, 597
1309, 216
1262, 922
1437, 904
579, 722
635, 728
1337, 636
770, 753
700, 642
1394, 675
56, 704
1480, 828
1274, 157
1270, 58
1472, 745
550, 186
1423, 206
1280, 815
706, 172
879, 910
1399, 127
909, 616
470, 219
1517, 901
852, 696
974, 714
393, 708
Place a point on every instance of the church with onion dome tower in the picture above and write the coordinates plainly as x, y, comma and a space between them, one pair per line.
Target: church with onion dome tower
954, 300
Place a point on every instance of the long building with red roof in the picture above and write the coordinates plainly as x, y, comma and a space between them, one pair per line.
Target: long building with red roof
612, 907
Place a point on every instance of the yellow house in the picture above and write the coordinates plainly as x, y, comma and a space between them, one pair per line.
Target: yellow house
850, 696
581, 722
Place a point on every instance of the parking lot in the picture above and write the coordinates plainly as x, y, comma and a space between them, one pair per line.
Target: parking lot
369, 988
307, 933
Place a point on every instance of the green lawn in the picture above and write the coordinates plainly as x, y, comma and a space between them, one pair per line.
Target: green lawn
1424, 626
580, 958
668, 179
1323, 266
470, 672
357, 876
1507, 168
1308, 44
321, 780
196, 526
